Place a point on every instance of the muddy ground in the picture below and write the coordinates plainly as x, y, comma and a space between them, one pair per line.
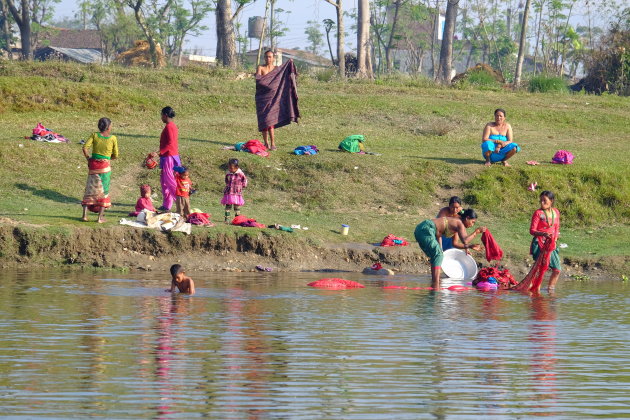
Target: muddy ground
143, 249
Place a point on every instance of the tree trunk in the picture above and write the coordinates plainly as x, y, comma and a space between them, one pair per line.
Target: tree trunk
341, 52
364, 68
226, 40
22, 18
446, 52
521, 46
390, 42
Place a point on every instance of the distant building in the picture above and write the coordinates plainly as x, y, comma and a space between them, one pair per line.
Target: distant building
80, 45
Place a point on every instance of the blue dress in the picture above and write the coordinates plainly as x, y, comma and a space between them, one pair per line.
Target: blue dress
489, 145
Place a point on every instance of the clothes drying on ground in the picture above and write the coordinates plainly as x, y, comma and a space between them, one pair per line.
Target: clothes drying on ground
391, 240
276, 97
202, 219
306, 150
353, 143
244, 221
489, 145
493, 250
563, 157
41, 133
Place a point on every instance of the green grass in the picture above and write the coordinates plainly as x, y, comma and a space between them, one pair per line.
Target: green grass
547, 84
429, 138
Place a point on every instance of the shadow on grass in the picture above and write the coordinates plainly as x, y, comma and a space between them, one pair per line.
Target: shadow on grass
455, 161
47, 194
156, 137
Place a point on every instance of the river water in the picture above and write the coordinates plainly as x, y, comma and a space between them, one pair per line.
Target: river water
266, 346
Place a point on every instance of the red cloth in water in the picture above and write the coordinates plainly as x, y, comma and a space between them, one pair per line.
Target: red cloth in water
493, 250
534, 278
336, 283
504, 278
390, 239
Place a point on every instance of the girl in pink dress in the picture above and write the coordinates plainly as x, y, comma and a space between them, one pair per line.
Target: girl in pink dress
235, 181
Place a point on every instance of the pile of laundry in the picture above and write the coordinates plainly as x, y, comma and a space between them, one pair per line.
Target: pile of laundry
391, 240
493, 278
41, 133
244, 221
166, 222
306, 150
252, 146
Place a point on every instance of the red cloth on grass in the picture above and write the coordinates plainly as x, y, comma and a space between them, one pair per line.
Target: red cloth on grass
389, 241
493, 250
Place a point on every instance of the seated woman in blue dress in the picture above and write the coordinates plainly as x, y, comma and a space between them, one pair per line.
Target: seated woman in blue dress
496, 143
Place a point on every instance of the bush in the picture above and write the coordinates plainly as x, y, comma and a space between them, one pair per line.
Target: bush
547, 84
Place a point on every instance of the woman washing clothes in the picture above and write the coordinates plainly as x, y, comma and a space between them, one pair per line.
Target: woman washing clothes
497, 143
429, 235
453, 209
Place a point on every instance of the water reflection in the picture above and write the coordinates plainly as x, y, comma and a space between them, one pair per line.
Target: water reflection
266, 346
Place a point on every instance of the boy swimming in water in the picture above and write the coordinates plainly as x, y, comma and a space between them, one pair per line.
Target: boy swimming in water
180, 280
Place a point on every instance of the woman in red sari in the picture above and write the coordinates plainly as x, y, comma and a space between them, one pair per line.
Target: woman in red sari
545, 226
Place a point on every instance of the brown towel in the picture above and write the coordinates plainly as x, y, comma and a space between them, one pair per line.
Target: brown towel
276, 97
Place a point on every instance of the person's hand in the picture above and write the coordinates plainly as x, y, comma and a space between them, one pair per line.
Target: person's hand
547, 234
153, 154
475, 247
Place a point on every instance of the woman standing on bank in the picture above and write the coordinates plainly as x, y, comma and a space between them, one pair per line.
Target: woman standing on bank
169, 158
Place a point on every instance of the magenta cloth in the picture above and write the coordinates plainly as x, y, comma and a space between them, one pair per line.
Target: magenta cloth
167, 180
141, 204
276, 97
493, 250
202, 219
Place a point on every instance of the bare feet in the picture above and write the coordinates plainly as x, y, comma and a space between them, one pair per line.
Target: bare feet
84, 219
100, 221
488, 163
505, 163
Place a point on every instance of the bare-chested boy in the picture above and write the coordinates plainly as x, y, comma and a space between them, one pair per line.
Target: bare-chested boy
180, 280
270, 142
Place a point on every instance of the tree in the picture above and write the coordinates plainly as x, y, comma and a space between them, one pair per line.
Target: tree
446, 52
328, 25
151, 19
7, 35
364, 63
521, 46
30, 15
314, 36
226, 37
341, 54
184, 21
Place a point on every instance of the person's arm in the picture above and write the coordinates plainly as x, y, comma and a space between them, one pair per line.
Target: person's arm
191, 289
535, 228
244, 180
486, 133
509, 136
259, 71
461, 231
114, 149
86, 147
172, 289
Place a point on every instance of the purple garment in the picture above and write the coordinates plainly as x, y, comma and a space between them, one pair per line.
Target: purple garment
167, 179
276, 97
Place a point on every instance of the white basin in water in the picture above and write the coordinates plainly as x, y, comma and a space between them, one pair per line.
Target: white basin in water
459, 265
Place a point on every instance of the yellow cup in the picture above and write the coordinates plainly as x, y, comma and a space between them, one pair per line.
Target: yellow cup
345, 229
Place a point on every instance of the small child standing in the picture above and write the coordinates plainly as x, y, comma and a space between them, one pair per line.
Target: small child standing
144, 202
180, 280
184, 188
235, 181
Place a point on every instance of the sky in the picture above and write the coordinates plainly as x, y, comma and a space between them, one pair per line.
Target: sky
301, 11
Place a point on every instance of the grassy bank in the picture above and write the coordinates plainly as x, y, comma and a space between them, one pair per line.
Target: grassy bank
428, 136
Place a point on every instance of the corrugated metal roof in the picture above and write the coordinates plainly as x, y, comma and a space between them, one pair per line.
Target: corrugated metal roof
82, 55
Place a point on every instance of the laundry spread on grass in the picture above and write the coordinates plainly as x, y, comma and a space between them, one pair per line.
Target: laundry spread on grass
391, 240
41, 133
166, 222
253, 146
306, 150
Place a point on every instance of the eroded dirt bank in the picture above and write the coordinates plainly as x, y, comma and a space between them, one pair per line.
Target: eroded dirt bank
140, 249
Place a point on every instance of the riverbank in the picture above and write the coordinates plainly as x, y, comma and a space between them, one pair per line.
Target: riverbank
129, 249
427, 138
